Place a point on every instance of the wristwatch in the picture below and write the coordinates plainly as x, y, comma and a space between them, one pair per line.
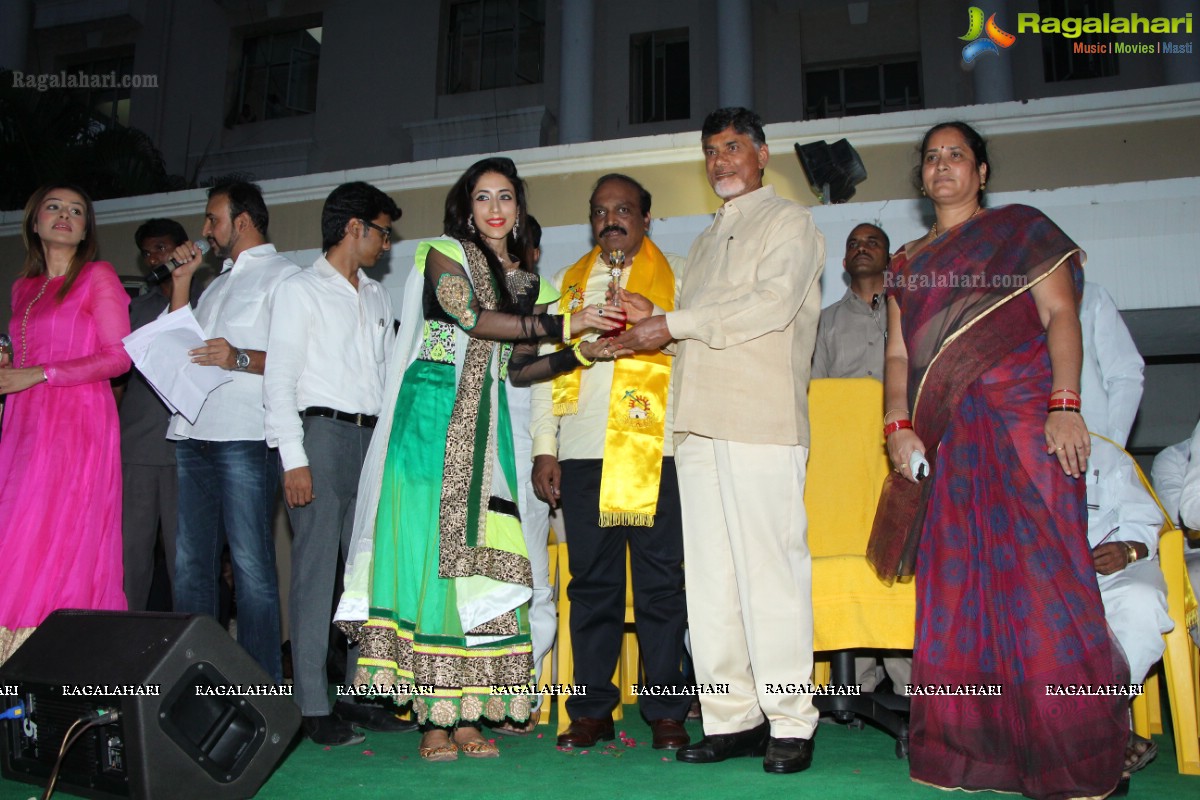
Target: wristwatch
241, 361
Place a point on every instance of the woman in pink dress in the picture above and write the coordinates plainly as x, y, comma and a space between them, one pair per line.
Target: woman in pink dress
60, 460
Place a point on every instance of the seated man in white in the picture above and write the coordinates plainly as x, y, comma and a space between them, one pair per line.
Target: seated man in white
1123, 526
1172, 469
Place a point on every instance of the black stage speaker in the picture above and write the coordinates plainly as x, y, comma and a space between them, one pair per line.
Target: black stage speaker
199, 719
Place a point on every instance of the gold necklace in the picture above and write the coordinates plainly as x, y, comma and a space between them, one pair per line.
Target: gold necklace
25, 321
933, 232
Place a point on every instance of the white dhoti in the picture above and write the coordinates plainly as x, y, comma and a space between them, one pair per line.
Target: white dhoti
1135, 605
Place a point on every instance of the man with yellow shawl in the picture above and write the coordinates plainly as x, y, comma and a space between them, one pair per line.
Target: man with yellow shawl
602, 449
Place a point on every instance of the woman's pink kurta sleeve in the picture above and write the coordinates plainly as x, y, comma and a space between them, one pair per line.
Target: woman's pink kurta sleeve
106, 303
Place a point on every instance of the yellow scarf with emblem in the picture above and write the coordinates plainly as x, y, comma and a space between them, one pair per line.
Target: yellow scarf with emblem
633, 442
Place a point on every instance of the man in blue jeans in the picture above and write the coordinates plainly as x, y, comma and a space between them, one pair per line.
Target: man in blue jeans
227, 476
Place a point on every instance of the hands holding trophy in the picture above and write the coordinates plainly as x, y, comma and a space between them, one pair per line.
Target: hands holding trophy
616, 268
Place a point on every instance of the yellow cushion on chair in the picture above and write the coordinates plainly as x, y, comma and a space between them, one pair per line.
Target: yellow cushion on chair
847, 465
852, 609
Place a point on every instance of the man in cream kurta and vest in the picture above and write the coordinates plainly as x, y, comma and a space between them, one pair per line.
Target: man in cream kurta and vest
746, 326
602, 448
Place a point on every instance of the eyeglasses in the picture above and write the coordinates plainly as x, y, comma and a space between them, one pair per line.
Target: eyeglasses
386, 233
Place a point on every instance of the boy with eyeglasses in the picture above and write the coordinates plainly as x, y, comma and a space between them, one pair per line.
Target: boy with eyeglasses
331, 334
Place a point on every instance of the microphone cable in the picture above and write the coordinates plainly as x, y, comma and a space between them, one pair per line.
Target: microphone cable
89, 720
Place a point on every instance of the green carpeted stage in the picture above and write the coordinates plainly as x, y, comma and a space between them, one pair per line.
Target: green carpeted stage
848, 765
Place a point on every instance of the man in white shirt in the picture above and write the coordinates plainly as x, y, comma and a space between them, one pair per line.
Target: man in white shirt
227, 475
1110, 381
1123, 526
1167, 474
1176, 478
331, 335
1189, 495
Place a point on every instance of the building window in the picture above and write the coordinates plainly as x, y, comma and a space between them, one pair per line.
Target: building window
278, 75
851, 91
1067, 59
107, 93
491, 44
659, 77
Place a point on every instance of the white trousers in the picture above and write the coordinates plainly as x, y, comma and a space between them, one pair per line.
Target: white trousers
535, 526
749, 582
1135, 605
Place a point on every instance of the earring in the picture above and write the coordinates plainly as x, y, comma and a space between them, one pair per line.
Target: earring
471, 223
983, 186
517, 226
922, 191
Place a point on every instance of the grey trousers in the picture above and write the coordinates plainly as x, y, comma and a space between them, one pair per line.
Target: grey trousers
336, 451
150, 496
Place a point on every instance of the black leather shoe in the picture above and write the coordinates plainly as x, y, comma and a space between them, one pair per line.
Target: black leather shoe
788, 755
668, 734
329, 730
720, 746
586, 731
371, 717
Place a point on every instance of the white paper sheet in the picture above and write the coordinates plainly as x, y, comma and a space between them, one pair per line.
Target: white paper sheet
160, 351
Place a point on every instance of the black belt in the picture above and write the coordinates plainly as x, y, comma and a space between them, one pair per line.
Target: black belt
506, 507
361, 420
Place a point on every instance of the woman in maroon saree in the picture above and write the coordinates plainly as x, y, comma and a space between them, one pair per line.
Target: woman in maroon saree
984, 340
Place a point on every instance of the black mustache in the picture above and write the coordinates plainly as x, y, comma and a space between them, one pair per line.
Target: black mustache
614, 229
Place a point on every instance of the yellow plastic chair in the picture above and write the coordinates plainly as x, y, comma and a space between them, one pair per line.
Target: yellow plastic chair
851, 607
1147, 707
1181, 661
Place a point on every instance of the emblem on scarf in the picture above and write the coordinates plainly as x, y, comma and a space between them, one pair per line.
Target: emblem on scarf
638, 410
575, 292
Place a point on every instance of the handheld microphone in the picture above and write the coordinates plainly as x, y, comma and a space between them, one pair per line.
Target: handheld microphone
163, 271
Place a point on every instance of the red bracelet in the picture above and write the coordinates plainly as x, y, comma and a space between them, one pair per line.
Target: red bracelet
1066, 401
898, 425
1068, 391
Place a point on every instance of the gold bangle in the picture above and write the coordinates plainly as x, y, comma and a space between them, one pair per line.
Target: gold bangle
1131, 552
580, 356
894, 411
566, 336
